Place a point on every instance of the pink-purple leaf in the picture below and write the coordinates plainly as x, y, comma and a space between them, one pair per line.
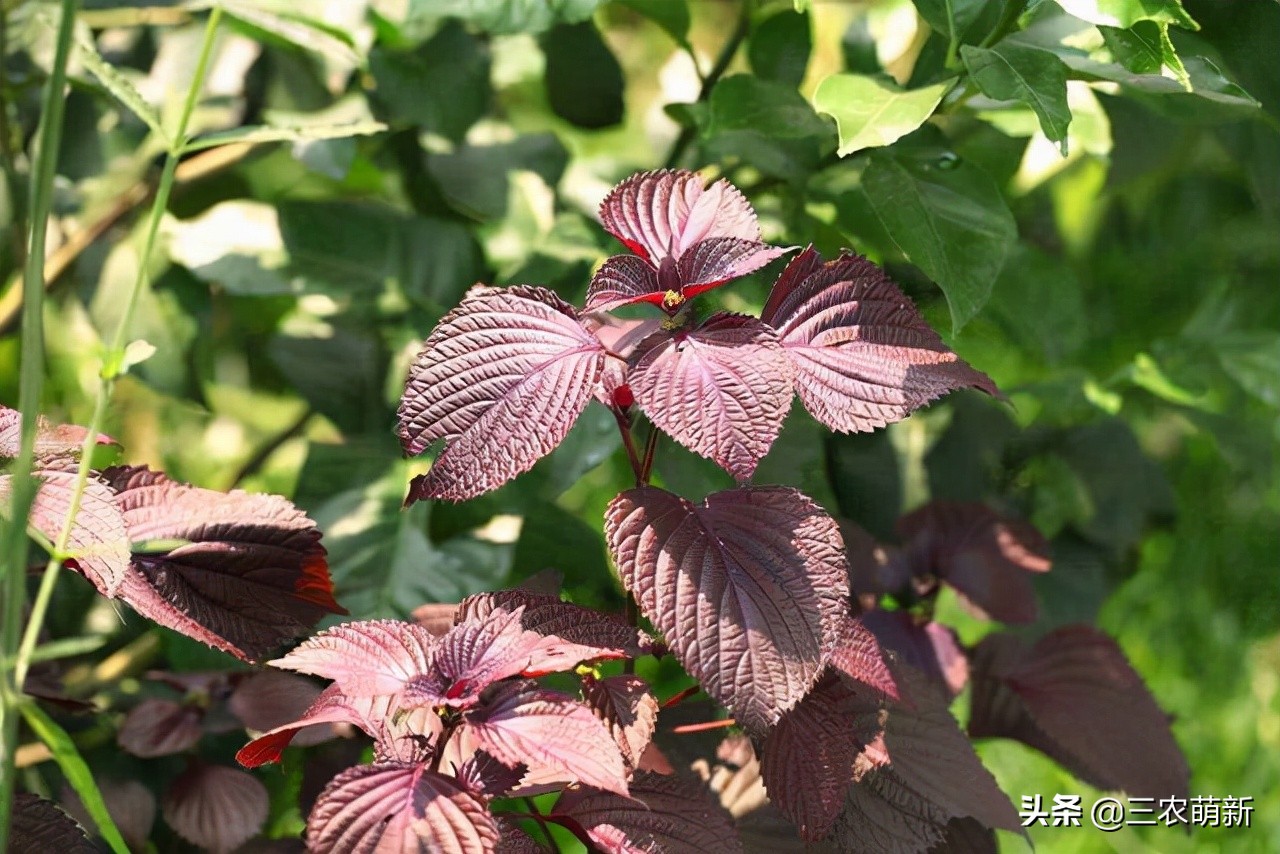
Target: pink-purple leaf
556, 736
986, 557
214, 807
129, 803
364, 658
52, 440
501, 380
863, 355
158, 727
722, 390
267, 699
625, 705
662, 214
599, 635
1075, 697
744, 588
239, 572
931, 647
857, 653
715, 261
671, 814
395, 806
809, 756
624, 279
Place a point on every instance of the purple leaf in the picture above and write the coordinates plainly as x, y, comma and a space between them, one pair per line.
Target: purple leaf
129, 803
158, 727
556, 736
1075, 697
501, 379
672, 814
39, 825
98, 537
931, 648
52, 440
983, 555
394, 806
364, 658
809, 757
627, 708
515, 841
485, 775
863, 355
688, 239
600, 635
268, 699
436, 617
744, 588
722, 390
215, 807
857, 653
662, 214
874, 569
966, 836
248, 571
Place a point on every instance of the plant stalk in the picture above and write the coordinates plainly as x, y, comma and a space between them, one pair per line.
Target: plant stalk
31, 381
713, 76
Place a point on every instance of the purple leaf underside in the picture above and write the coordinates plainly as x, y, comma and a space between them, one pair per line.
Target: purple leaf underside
745, 588
627, 708
863, 355
215, 807
501, 380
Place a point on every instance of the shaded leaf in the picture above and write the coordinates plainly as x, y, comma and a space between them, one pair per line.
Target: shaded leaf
1126, 13
779, 47
395, 806
501, 379
1017, 72
863, 356
765, 124
458, 66
664, 813
557, 737
931, 648
157, 727
39, 825
809, 757
873, 111
130, 804
215, 807
722, 389
485, 775
671, 15
627, 708
267, 699
583, 78
1075, 697
249, 573
950, 18
118, 85
743, 588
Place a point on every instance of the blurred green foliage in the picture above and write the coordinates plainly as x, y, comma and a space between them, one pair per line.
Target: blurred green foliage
1122, 295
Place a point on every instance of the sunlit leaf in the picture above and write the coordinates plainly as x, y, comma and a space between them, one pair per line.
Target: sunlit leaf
873, 111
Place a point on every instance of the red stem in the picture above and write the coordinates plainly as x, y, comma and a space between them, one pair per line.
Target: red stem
650, 446
703, 727
680, 695
628, 442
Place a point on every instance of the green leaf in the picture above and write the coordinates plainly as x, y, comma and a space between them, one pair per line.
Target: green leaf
874, 111
768, 125
1037, 78
583, 78
945, 216
1126, 13
802, 5
950, 18
298, 133
1040, 300
338, 371
442, 86
1251, 359
780, 46
118, 85
1210, 98
866, 479
286, 24
475, 178
1146, 49
76, 771
553, 538
504, 17
671, 15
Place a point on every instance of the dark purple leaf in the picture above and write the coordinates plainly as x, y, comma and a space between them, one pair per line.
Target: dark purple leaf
931, 648
52, 440
966, 836
983, 555
98, 538
671, 814
268, 699
624, 279
744, 588
556, 736
501, 379
809, 756
157, 727
215, 807
874, 568
515, 841
39, 825
722, 390
1075, 697
626, 706
394, 806
662, 214
365, 658
863, 355
715, 261
857, 653
485, 775
600, 635
248, 571
130, 804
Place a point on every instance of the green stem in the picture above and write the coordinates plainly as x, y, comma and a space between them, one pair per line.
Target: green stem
713, 76
31, 386
32, 369
1009, 17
